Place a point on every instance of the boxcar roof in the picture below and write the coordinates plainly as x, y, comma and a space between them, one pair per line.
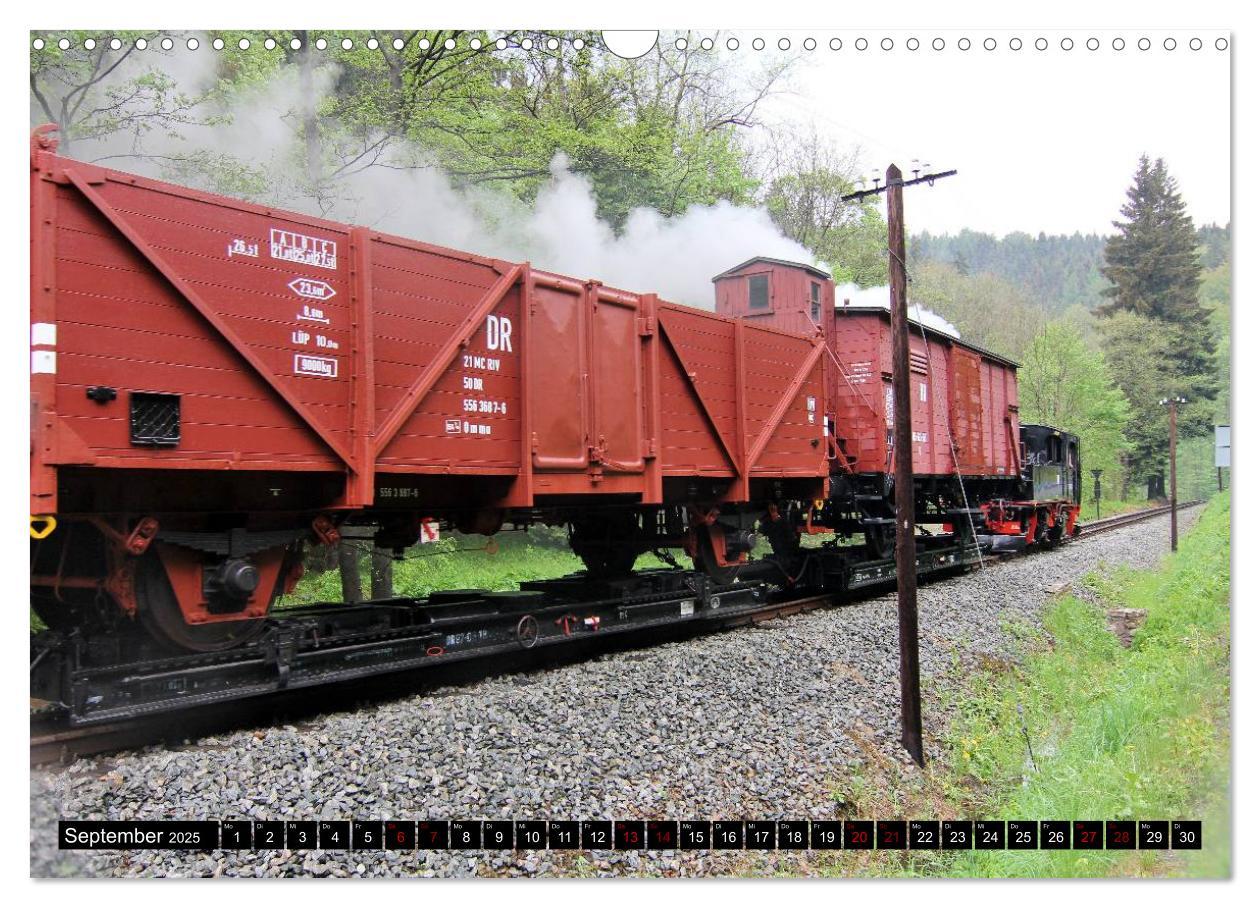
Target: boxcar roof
864, 310
1055, 429
762, 258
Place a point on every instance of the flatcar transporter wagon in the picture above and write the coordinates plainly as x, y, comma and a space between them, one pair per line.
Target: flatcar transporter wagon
215, 384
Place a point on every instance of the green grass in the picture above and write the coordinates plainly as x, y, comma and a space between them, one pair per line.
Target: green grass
1116, 733
501, 562
458, 561
1110, 507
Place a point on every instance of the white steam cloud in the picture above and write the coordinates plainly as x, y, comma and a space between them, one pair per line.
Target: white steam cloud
879, 296
407, 194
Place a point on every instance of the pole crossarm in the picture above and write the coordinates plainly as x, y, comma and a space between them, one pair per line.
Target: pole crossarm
930, 179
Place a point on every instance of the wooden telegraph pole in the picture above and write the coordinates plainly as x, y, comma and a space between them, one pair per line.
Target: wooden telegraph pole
903, 476
903, 472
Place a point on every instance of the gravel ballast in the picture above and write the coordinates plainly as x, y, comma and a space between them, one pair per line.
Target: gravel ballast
755, 723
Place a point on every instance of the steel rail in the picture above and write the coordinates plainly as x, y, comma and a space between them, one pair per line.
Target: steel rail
1094, 527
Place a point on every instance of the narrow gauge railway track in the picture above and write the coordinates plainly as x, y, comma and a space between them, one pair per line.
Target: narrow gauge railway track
1120, 520
174, 698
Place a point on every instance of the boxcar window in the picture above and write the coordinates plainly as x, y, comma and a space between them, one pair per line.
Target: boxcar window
815, 300
759, 291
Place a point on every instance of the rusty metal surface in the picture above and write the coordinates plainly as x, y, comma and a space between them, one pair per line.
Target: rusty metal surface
966, 410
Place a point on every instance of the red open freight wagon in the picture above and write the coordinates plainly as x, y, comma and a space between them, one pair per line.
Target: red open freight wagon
191, 352
214, 383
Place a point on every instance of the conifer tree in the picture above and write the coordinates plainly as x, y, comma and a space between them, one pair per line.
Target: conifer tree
1159, 338
1154, 268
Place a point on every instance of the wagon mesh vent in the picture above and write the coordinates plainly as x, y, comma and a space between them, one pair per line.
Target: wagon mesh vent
154, 419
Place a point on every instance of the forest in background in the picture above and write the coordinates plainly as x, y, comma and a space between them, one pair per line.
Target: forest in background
527, 140
1098, 372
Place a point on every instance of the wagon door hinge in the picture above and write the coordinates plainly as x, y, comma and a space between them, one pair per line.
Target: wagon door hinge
595, 457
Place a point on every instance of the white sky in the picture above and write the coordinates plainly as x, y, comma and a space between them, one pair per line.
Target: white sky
1043, 140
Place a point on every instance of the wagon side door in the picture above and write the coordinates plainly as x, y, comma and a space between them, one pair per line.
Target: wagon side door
616, 387
966, 410
585, 379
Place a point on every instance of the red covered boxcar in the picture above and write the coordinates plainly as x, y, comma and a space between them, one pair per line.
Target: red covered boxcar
964, 408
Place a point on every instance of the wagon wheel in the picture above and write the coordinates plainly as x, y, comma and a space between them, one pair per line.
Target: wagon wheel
606, 545
162, 618
881, 540
1055, 533
1042, 533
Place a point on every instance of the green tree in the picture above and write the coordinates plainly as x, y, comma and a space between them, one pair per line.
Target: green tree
660, 132
807, 179
1065, 382
986, 309
1215, 296
1214, 242
1057, 271
1142, 355
1160, 339
665, 131
1154, 270
119, 105
100, 91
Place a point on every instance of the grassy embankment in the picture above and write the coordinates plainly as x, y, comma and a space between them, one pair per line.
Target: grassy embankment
1109, 507
1116, 733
